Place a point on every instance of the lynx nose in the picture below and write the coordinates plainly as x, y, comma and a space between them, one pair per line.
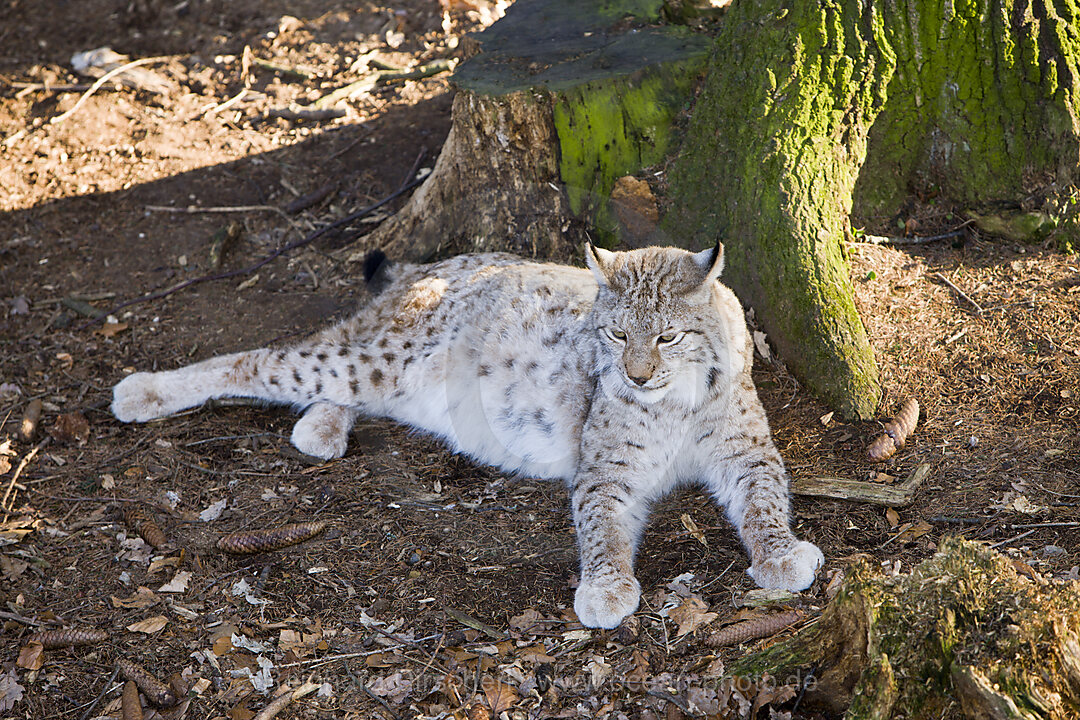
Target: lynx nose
638, 380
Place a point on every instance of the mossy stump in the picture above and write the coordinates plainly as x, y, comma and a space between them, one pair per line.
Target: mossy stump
563, 98
963, 635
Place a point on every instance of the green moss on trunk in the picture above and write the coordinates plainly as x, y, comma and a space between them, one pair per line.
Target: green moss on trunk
769, 163
615, 128
613, 90
982, 106
813, 112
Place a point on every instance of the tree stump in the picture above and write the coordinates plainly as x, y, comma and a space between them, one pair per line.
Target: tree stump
964, 632
563, 99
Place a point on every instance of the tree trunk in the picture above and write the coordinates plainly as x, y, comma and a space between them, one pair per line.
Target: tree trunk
814, 112
964, 633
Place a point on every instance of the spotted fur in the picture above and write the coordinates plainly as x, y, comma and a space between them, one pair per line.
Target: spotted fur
623, 380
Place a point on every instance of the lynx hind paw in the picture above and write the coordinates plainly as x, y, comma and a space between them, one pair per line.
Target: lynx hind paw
141, 397
605, 604
323, 431
792, 571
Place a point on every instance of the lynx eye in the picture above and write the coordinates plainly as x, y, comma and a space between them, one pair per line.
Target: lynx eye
668, 338
617, 334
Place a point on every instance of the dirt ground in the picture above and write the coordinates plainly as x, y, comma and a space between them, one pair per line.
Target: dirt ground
439, 588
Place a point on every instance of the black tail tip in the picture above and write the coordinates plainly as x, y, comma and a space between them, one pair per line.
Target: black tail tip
374, 265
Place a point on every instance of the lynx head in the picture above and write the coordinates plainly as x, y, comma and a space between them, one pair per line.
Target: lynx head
664, 326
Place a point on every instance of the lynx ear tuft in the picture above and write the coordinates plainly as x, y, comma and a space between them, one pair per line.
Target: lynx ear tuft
599, 261
711, 262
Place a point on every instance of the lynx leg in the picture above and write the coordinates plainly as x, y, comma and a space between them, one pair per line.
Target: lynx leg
146, 396
608, 525
758, 506
323, 430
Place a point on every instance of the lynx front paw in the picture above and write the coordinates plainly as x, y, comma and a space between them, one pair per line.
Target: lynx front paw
604, 604
323, 431
141, 397
794, 571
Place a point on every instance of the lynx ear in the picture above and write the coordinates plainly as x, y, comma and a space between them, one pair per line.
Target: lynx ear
599, 261
711, 262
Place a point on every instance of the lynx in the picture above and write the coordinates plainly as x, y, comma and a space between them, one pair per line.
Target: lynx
624, 380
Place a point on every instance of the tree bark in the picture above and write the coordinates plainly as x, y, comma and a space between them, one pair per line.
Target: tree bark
963, 634
813, 113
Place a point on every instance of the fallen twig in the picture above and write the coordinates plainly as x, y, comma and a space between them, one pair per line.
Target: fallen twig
101, 695
222, 107
978, 308
859, 491
470, 621
18, 471
311, 237
106, 78
312, 198
195, 209
295, 112
284, 69
1021, 536
914, 240
368, 83
283, 700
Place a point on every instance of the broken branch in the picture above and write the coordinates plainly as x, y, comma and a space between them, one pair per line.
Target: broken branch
866, 492
978, 308
106, 78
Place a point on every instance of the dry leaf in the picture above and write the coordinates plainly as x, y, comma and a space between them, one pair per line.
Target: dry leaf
12, 567
144, 597
71, 428
392, 688
762, 345
162, 563
31, 656
911, 532
112, 329
178, 584
598, 670
11, 691
693, 529
500, 697
150, 625
214, 511
691, 614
